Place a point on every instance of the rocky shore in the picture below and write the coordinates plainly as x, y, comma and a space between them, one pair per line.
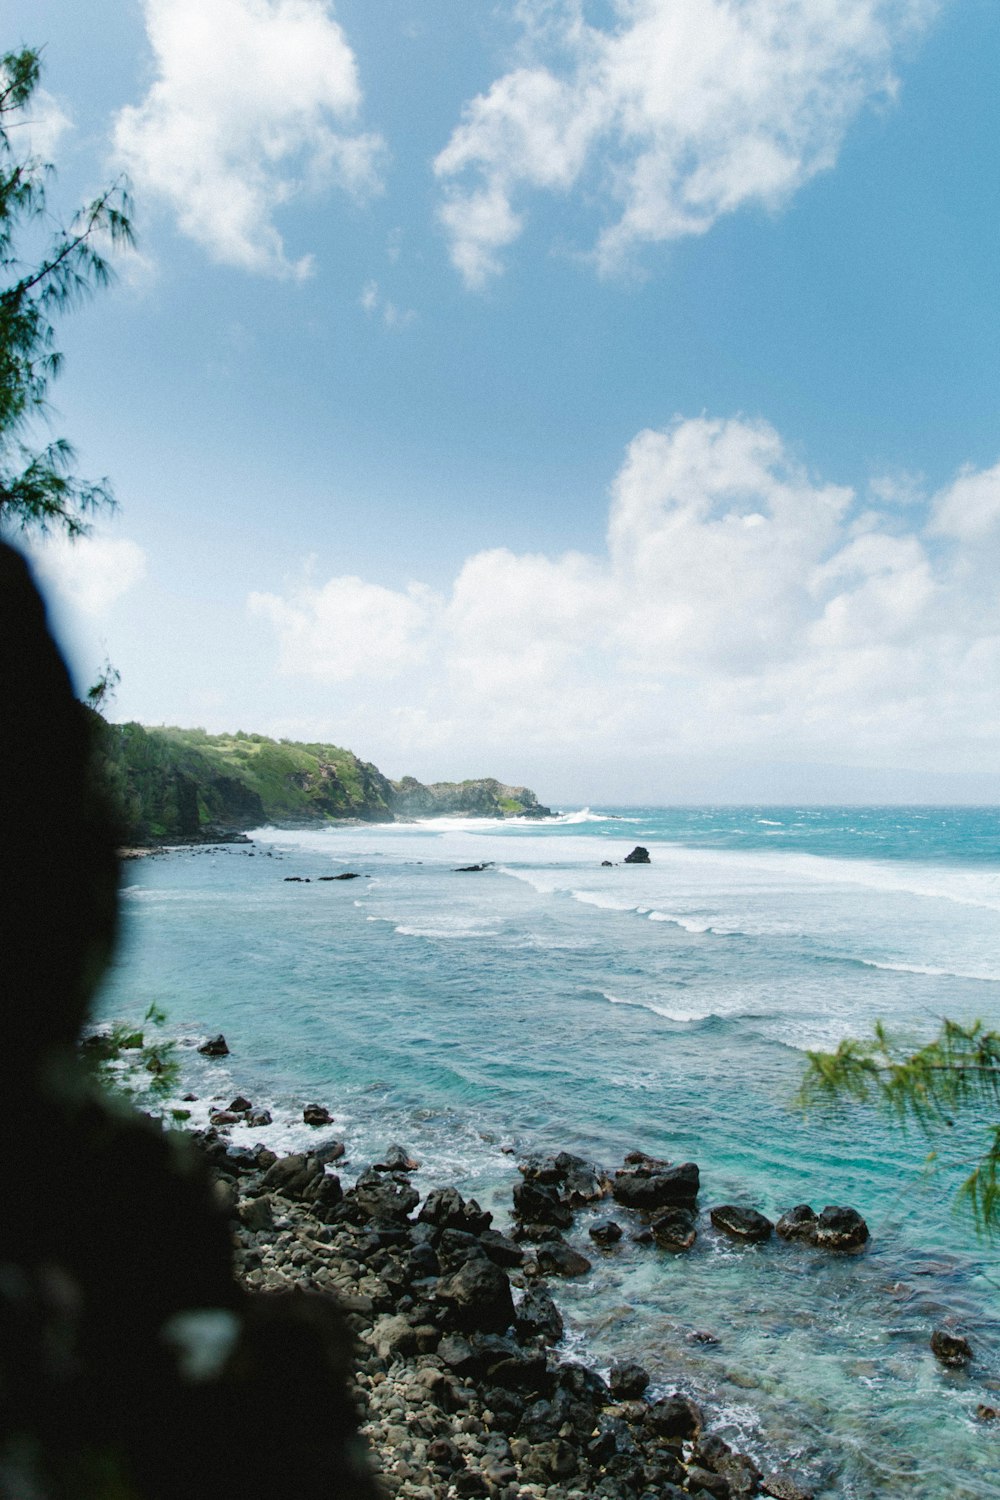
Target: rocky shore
460, 1381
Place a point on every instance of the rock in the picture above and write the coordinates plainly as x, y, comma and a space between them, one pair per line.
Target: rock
674, 1416
240, 1106
259, 1117
784, 1487
840, 1229
556, 1258
298, 879
396, 1159
472, 869
393, 1336
674, 1229
606, 864
662, 1187
701, 1336
214, 1047
445, 1208
799, 1223
639, 856
986, 1413
478, 1296
951, 1349
628, 1380
538, 1204
256, 1213
704, 1482
581, 1181
292, 1175
501, 1249
317, 1114
744, 1224
224, 1117
740, 1470
381, 1198
605, 1233
538, 1317
329, 1151
347, 875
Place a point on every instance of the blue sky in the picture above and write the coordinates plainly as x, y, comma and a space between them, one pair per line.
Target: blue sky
598, 395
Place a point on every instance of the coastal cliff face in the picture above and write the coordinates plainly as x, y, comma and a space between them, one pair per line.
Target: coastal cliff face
176, 784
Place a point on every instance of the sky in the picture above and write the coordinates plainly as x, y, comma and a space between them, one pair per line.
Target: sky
598, 394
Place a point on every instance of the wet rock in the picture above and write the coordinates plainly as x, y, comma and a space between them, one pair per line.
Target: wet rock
784, 1487
291, 1176
675, 1229
744, 1224
656, 1186
477, 1296
701, 1336
556, 1258
674, 1416
639, 856
738, 1468
259, 1117
473, 869
840, 1229
628, 1380
447, 1209
397, 1160
380, 1198
950, 1348
606, 864
705, 1482
799, 1223
215, 1047
538, 1204
317, 1114
986, 1413
538, 1317
501, 1249
240, 1106
224, 1117
606, 1233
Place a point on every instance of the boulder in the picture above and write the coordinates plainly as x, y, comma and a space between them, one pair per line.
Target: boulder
291, 1176
501, 1249
240, 1106
445, 1208
674, 1229
628, 1380
606, 864
477, 1297
799, 1223
660, 1187
538, 1204
214, 1047
259, 1117
950, 1348
556, 1258
317, 1114
383, 1199
639, 856
840, 1229
739, 1469
256, 1213
605, 1233
224, 1117
674, 1416
538, 1317
396, 1159
744, 1224
784, 1487
393, 1336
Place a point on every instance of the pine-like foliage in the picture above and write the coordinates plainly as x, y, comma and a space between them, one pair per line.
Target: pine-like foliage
38, 489
958, 1070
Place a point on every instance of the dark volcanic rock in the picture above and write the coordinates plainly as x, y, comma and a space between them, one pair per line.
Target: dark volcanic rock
674, 1229
739, 1469
556, 1258
741, 1223
478, 1296
381, 1198
214, 1047
292, 1176
317, 1114
950, 1348
799, 1223
445, 1208
674, 1416
240, 1106
639, 856
538, 1204
628, 1380
840, 1229
397, 1160
538, 1316
606, 1233
659, 1187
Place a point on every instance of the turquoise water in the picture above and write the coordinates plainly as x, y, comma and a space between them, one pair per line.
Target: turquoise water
549, 1002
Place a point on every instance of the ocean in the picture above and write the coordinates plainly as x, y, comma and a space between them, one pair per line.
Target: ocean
549, 1002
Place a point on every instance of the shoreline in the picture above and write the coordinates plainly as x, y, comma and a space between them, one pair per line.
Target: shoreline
460, 1379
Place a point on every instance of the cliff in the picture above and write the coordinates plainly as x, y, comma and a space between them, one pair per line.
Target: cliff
177, 784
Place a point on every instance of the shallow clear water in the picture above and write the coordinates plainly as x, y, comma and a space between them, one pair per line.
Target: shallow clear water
548, 1003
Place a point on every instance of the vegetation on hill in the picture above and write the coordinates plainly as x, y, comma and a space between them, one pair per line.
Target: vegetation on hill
185, 784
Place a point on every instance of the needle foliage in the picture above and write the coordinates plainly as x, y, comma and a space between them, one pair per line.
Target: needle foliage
45, 268
959, 1070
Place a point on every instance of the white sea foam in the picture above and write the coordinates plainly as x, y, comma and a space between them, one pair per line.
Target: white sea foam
931, 970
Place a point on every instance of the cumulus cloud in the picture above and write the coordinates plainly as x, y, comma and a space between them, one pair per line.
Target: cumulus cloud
253, 102
92, 573
677, 113
740, 602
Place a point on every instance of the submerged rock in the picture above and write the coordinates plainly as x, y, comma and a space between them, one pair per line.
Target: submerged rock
799, 1223
674, 1229
606, 1233
215, 1047
741, 1223
317, 1114
840, 1229
950, 1348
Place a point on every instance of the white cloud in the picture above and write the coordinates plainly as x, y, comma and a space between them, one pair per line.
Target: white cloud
678, 113
253, 102
40, 129
740, 604
392, 317
91, 573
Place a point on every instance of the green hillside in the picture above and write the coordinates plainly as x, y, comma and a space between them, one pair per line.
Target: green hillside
174, 783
